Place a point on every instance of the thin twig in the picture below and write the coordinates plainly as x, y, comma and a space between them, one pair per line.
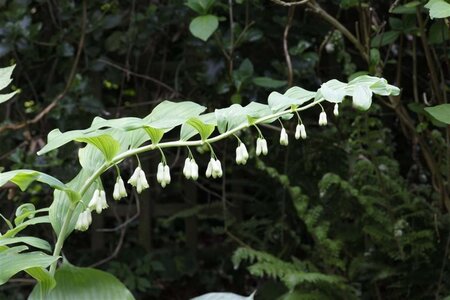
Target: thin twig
291, 13
284, 3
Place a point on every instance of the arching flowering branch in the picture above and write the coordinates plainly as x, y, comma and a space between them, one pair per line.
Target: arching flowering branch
110, 142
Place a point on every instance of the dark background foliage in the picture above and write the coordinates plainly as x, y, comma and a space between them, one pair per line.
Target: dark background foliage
358, 210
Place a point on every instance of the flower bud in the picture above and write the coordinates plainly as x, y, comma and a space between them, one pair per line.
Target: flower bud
284, 139
160, 173
194, 170
93, 204
244, 153
119, 189
187, 170
336, 110
239, 158
167, 177
103, 202
264, 149
84, 220
303, 132
216, 169
116, 192
133, 179
297, 132
323, 119
258, 146
209, 168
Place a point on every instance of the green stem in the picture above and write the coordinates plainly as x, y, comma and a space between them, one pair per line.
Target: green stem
105, 166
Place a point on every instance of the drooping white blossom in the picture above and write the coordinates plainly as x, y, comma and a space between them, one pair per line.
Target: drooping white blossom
264, 149
119, 189
284, 139
194, 169
241, 154
187, 169
323, 119
138, 180
134, 178
98, 201
303, 132
84, 220
336, 110
297, 132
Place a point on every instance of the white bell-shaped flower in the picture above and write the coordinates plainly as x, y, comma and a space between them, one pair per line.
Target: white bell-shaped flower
194, 169
187, 169
239, 158
95, 203
209, 168
119, 189
336, 110
84, 220
303, 132
258, 147
142, 183
244, 153
323, 119
103, 199
160, 173
264, 149
216, 169
166, 176
297, 132
284, 139
134, 178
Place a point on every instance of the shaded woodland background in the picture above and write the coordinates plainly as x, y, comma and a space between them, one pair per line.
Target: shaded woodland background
359, 210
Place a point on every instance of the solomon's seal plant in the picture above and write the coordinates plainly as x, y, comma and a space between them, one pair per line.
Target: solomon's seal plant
110, 142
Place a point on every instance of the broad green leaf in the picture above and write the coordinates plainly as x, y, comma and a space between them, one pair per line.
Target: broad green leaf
200, 6
205, 130
105, 143
230, 117
293, 96
45, 280
155, 134
385, 38
362, 97
6, 97
23, 178
168, 115
408, 8
37, 220
255, 110
187, 131
333, 91
224, 296
12, 261
438, 32
440, 112
32, 241
203, 27
268, 82
378, 85
74, 283
438, 8
5, 76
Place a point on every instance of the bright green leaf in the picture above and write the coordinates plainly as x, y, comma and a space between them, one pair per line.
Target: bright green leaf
23, 178
203, 27
12, 261
385, 38
438, 8
440, 112
224, 296
268, 82
74, 283
205, 130
32, 241
5, 76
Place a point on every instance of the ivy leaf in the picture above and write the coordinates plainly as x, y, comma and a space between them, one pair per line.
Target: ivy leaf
13, 261
84, 283
203, 27
440, 112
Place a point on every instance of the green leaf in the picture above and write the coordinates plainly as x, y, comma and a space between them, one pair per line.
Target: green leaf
438, 32
293, 96
187, 131
200, 6
438, 8
230, 117
386, 38
6, 97
12, 261
5, 76
440, 112
362, 97
203, 27
268, 82
32, 241
23, 178
168, 115
105, 143
408, 8
45, 280
155, 134
84, 283
205, 130
223, 296
37, 220
333, 91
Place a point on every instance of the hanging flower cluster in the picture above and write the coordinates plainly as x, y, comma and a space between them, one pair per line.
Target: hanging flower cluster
214, 168
139, 180
190, 170
163, 174
241, 154
261, 146
119, 189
